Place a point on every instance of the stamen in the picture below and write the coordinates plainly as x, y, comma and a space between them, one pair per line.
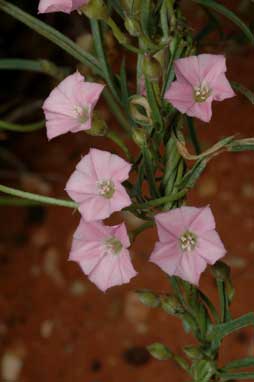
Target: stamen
106, 188
188, 241
201, 93
81, 113
112, 246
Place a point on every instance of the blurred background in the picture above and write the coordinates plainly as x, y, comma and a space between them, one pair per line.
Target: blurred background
54, 324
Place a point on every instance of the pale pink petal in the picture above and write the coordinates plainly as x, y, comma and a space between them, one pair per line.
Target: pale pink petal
119, 168
202, 110
190, 267
202, 219
210, 67
187, 69
80, 184
100, 160
86, 166
89, 93
120, 199
110, 272
120, 232
58, 126
180, 95
95, 208
93, 231
167, 256
222, 89
47, 6
170, 224
78, 3
210, 247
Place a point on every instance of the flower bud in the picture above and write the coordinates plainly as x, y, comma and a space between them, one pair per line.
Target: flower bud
99, 127
151, 68
148, 298
202, 370
171, 305
159, 351
139, 136
95, 9
221, 271
132, 26
193, 352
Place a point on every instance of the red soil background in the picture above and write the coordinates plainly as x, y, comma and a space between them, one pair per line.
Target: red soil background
53, 321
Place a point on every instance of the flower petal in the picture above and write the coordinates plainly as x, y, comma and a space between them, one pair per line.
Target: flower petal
222, 89
120, 199
190, 267
210, 67
95, 208
170, 225
180, 95
210, 247
187, 69
202, 219
167, 256
202, 110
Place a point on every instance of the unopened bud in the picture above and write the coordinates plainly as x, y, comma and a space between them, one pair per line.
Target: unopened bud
99, 127
159, 351
193, 352
139, 135
95, 9
221, 271
132, 26
171, 305
148, 298
151, 68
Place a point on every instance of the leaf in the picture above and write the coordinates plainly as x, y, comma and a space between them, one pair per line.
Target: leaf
202, 371
148, 298
229, 14
221, 330
235, 376
193, 174
238, 363
155, 110
53, 35
149, 171
146, 16
243, 90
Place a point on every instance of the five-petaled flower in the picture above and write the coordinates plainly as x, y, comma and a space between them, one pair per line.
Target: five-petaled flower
187, 242
70, 105
102, 253
66, 6
96, 184
199, 80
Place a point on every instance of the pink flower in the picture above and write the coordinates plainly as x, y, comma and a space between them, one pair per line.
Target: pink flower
199, 80
70, 105
96, 184
66, 6
187, 242
102, 254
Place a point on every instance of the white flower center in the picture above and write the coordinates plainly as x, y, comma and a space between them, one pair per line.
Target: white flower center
188, 241
81, 113
106, 188
112, 246
201, 93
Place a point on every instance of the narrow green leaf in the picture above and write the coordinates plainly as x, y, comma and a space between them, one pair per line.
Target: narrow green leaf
243, 90
193, 135
155, 110
99, 48
229, 14
149, 172
193, 174
238, 363
52, 34
21, 128
237, 376
222, 330
146, 16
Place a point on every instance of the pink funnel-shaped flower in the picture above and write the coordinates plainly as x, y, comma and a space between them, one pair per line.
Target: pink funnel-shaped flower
101, 252
187, 242
66, 6
199, 80
96, 185
70, 105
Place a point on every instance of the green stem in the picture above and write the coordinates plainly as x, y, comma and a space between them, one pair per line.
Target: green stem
37, 198
116, 110
117, 140
17, 202
160, 201
193, 135
21, 128
141, 228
